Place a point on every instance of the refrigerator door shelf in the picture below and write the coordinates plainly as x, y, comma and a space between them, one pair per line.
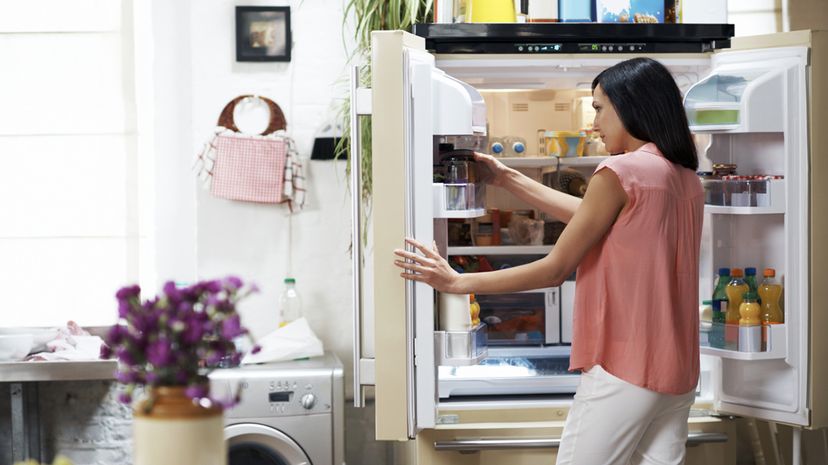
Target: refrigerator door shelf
777, 347
741, 97
458, 200
457, 108
744, 197
461, 348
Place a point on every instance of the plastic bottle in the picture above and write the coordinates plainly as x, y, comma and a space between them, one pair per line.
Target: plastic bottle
770, 291
750, 326
515, 146
719, 309
290, 303
750, 280
735, 291
497, 146
474, 311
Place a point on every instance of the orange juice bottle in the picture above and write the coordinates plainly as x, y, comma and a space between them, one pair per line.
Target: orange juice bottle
750, 326
735, 291
770, 291
474, 311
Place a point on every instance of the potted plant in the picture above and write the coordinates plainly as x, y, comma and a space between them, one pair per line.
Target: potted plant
369, 16
166, 344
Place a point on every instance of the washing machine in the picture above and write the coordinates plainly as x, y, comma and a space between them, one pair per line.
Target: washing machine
289, 413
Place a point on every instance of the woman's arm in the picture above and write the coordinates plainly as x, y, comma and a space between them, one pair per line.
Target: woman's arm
556, 204
604, 200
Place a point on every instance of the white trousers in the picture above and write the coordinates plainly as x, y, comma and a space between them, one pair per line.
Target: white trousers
613, 422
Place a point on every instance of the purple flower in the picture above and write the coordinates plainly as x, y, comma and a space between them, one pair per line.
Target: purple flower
166, 339
106, 352
126, 377
231, 327
213, 287
124, 355
256, 349
159, 353
213, 358
233, 283
172, 292
127, 292
124, 397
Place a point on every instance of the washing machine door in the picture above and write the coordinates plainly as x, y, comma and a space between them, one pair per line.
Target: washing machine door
254, 444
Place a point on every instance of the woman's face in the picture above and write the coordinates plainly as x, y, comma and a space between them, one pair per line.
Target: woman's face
608, 124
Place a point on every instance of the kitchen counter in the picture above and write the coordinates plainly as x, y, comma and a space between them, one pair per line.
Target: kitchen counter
19, 372
23, 378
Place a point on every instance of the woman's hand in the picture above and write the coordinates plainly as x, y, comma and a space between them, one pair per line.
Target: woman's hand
494, 172
429, 268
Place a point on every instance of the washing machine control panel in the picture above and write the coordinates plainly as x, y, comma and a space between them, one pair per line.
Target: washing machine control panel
276, 396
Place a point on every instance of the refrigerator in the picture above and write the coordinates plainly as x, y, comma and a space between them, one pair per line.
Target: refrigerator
757, 102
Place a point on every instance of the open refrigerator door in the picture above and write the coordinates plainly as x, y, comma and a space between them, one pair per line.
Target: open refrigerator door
412, 101
754, 104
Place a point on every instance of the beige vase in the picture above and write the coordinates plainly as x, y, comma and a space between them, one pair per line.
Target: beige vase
173, 430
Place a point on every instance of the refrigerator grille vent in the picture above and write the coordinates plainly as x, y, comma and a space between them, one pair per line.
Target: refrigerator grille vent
561, 106
520, 107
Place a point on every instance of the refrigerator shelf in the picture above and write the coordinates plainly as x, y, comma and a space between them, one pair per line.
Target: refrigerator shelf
501, 250
461, 348
540, 162
777, 347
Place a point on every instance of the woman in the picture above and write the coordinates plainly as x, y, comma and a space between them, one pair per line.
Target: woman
634, 239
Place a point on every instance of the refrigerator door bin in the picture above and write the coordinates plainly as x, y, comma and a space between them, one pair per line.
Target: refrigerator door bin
775, 346
461, 348
748, 196
458, 200
738, 98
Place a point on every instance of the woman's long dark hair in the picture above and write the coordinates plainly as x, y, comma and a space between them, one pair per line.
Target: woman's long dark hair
649, 104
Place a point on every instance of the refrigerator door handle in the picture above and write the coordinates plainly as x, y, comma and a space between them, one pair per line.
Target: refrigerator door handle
477, 445
360, 106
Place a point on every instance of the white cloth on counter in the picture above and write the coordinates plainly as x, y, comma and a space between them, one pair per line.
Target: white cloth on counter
292, 341
69, 343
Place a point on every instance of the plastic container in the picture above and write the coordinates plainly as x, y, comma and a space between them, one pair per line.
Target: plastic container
497, 147
455, 312
719, 305
750, 279
750, 327
514, 146
735, 290
576, 11
713, 114
290, 303
566, 143
770, 292
490, 11
739, 191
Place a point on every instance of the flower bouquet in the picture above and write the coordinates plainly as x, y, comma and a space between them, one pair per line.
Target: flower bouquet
172, 338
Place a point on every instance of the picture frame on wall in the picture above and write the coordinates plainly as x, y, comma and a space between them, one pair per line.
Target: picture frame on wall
263, 33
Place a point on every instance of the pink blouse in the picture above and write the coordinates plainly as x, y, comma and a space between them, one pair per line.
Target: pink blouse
636, 294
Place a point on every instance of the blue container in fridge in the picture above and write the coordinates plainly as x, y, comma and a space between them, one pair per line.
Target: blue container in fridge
576, 11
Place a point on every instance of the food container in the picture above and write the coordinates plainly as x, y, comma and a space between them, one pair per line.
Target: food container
461, 348
741, 191
562, 143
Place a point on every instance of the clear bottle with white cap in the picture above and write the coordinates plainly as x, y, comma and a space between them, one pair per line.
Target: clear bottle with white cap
290, 304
